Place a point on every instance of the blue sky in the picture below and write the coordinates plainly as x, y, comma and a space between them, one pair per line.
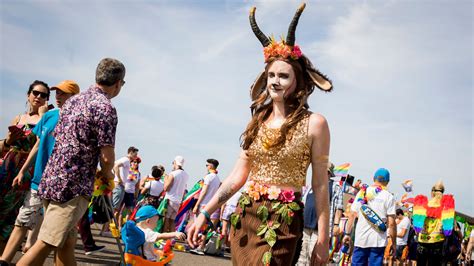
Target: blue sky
402, 73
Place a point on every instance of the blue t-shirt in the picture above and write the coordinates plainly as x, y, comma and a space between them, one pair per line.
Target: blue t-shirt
44, 131
309, 212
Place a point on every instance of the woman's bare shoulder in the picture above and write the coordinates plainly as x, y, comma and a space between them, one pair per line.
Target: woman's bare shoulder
317, 122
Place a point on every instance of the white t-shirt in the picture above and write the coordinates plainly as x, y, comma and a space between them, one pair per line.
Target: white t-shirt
176, 191
403, 224
365, 235
212, 181
154, 187
130, 184
234, 200
148, 247
124, 169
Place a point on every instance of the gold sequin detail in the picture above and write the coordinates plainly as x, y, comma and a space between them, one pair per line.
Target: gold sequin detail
284, 165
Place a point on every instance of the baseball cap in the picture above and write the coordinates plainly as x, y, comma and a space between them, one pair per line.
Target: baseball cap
145, 212
382, 175
179, 160
67, 86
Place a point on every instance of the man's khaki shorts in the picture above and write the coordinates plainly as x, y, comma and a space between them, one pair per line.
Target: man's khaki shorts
31, 212
60, 220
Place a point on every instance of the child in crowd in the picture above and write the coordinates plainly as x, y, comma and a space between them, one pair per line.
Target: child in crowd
146, 219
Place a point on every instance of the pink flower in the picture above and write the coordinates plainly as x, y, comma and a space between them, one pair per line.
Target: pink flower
296, 52
287, 196
273, 193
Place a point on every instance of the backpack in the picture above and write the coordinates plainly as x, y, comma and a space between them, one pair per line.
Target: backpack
98, 211
214, 245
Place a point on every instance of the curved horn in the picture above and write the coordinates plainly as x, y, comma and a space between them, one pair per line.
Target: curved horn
256, 30
290, 39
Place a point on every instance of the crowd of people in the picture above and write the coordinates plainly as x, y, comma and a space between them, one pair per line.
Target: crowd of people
262, 211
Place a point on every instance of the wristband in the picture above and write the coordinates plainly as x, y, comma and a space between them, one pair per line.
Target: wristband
206, 214
336, 224
347, 234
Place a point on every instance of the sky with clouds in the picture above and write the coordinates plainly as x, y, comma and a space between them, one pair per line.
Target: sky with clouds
402, 74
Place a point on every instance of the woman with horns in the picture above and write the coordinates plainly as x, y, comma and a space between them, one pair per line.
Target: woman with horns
280, 142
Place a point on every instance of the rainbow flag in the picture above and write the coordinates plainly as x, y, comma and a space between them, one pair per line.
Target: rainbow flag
188, 203
342, 170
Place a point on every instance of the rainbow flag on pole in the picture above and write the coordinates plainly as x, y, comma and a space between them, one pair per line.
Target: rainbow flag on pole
342, 170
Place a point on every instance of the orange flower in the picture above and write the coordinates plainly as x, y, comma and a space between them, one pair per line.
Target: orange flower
262, 189
254, 194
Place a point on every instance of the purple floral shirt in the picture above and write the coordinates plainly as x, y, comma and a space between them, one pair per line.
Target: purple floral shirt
87, 122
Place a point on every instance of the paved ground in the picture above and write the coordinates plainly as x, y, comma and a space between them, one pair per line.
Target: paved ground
110, 256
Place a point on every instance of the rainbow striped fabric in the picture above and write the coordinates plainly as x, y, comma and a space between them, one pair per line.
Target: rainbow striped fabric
188, 203
342, 170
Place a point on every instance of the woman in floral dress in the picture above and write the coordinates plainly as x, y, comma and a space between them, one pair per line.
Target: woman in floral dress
14, 150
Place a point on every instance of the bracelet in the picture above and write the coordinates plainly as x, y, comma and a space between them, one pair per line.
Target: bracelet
347, 234
206, 214
336, 224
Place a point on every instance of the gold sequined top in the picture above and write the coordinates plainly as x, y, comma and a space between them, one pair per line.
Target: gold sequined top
283, 165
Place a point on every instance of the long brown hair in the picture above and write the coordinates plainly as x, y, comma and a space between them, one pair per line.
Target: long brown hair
296, 102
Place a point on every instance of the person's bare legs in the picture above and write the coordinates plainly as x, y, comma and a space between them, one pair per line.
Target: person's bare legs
36, 255
225, 225
169, 225
33, 235
65, 254
13, 243
120, 217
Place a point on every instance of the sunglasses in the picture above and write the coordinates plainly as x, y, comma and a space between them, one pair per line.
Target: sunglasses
43, 95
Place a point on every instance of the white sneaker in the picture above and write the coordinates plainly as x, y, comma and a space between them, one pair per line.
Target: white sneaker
197, 251
95, 249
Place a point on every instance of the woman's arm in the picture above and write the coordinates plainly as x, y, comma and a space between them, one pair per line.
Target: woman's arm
31, 158
320, 139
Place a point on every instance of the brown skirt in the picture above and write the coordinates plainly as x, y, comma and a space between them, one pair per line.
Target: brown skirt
247, 248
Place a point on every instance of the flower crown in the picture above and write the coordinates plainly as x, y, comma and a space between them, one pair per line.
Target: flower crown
281, 49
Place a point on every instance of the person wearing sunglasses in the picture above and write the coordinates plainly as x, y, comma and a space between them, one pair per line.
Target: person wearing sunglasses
85, 137
14, 150
30, 214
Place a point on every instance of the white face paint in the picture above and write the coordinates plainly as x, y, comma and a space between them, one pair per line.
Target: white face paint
281, 80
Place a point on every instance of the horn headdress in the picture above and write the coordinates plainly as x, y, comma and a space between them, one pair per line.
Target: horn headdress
286, 50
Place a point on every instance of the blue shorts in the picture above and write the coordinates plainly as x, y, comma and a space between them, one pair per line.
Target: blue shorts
368, 256
117, 196
129, 200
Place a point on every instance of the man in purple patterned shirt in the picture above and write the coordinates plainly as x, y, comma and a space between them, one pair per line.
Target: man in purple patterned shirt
85, 136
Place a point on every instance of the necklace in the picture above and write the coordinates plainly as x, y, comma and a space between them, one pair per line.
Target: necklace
367, 194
